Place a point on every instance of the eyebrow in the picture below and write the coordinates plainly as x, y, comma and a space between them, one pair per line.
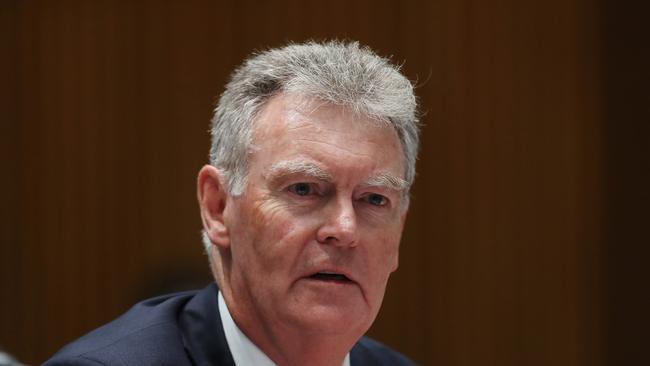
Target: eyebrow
311, 169
299, 166
388, 181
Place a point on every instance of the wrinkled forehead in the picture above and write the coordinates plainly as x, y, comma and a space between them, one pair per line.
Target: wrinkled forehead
334, 136
296, 112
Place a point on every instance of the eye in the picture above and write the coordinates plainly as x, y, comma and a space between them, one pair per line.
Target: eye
376, 199
301, 189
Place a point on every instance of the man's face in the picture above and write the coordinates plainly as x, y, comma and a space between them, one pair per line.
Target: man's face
315, 235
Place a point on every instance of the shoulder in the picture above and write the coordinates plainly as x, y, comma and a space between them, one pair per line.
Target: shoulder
138, 337
370, 352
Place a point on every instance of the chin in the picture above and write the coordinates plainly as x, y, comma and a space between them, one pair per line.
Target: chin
332, 320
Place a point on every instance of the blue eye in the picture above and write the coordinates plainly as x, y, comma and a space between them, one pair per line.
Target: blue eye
376, 199
301, 189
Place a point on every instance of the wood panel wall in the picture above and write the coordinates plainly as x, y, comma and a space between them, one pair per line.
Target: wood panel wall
105, 112
625, 57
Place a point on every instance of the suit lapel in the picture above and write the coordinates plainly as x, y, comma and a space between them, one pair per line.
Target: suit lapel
202, 331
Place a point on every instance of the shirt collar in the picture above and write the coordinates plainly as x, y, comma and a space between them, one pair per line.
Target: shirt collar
243, 350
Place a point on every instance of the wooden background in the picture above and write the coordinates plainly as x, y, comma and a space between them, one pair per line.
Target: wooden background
526, 240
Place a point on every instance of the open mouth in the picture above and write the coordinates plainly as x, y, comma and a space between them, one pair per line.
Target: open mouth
329, 276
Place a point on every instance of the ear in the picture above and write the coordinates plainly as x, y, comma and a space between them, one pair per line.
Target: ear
213, 196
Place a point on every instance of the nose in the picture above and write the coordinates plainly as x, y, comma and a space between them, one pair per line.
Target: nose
339, 226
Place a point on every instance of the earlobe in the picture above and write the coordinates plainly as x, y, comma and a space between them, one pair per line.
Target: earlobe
212, 198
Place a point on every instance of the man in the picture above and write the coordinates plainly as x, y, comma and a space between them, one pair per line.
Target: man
313, 154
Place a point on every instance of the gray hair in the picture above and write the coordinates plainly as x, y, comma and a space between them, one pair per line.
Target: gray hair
334, 72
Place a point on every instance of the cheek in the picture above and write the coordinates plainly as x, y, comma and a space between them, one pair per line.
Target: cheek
279, 236
271, 223
391, 256
384, 262
386, 253
396, 239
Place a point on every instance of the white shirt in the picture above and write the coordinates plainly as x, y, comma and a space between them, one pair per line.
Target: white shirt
244, 352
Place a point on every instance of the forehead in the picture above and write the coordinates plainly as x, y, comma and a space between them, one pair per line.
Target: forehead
288, 127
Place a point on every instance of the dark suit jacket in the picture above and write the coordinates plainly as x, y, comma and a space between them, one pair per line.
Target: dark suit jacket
177, 330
